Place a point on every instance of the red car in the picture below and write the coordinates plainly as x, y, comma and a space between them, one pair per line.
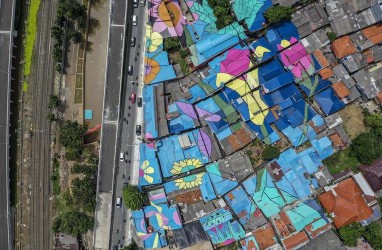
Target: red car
132, 98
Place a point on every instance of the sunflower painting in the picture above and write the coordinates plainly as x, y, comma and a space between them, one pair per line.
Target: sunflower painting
185, 165
191, 181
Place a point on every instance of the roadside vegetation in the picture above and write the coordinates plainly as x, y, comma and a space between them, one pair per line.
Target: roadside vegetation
365, 148
176, 53
132, 197
277, 14
31, 31
71, 138
371, 233
76, 204
221, 9
69, 24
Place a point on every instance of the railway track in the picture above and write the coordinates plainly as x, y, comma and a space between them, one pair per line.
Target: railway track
42, 84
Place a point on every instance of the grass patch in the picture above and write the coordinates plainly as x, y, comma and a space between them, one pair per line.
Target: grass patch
25, 87
79, 66
31, 31
78, 81
177, 58
78, 96
352, 116
340, 161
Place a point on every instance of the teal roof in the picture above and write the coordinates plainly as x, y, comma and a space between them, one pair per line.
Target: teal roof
302, 215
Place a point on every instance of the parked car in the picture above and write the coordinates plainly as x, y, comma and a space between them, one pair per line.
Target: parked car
138, 130
143, 3
118, 204
139, 102
121, 156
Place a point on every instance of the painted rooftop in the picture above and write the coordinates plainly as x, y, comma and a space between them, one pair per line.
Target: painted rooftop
272, 88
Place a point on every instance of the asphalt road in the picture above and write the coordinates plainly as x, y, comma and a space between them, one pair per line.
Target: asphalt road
111, 122
7, 8
128, 139
41, 84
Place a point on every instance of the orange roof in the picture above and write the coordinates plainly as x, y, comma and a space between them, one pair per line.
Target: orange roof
314, 232
295, 240
379, 97
341, 90
265, 236
335, 139
326, 73
347, 203
321, 58
343, 47
373, 33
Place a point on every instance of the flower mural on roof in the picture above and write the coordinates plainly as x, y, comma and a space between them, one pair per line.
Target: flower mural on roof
145, 170
153, 39
152, 68
190, 181
259, 52
295, 57
236, 62
185, 165
167, 16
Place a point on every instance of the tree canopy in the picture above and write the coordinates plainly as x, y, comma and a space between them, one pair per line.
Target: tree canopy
270, 152
371, 233
132, 197
72, 223
277, 14
367, 146
72, 134
350, 234
84, 192
171, 44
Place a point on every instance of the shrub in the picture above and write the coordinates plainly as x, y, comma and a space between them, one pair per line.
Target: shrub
270, 152
132, 197
276, 14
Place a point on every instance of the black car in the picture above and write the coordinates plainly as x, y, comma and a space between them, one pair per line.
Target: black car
139, 101
138, 130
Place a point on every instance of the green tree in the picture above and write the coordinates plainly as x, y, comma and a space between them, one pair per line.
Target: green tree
276, 14
351, 233
374, 121
373, 235
84, 192
73, 223
54, 102
72, 134
367, 146
72, 154
77, 37
51, 117
132, 246
270, 152
332, 36
132, 197
171, 44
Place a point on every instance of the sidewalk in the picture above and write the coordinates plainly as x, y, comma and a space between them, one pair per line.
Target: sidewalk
95, 65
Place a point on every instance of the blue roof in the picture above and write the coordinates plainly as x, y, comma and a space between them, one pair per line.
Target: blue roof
264, 192
323, 147
240, 203
200, 180
149, 111
221, 227
149, 172
222, 185
328, 101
